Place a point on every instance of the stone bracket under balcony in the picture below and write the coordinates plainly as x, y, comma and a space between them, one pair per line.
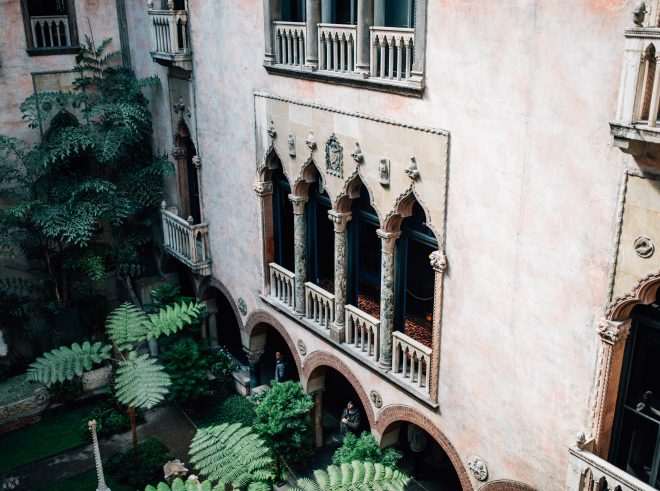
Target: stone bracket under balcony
186, 242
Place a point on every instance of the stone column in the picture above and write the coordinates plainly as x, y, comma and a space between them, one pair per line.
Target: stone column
317, 395
655, 95
388, 242
420, 40
253, 356
313, 9
365, 19
97, 457
338, 331
272, 12
212, 322
613, 335
264, 190
300, 251
197, 163
439, 265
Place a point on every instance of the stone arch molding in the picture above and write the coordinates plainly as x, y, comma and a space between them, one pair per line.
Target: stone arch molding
212, 282
506, 485
612, 331
402, 209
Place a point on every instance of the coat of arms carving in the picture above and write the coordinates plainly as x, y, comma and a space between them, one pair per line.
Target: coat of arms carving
334, 154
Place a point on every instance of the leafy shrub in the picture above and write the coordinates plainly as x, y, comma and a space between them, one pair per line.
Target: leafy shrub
221, 365
236, 409
110, 419
146, 468
68, 390
187, 369
364, 449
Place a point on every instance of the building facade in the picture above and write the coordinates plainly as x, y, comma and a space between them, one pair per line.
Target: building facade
451, 208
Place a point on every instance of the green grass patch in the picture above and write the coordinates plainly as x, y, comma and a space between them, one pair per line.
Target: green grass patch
53, 434
86, 480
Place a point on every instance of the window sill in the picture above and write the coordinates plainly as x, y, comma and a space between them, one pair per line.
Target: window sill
411, 88
69, 50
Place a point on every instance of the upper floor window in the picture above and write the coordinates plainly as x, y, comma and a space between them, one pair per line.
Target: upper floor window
394, 13
636, 436
50, 26
293, 10
282, 220
320, 239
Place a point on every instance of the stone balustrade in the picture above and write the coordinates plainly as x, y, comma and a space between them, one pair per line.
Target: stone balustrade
282, 284
411, 361
185, 241
170, 42
362, 332
319, 306
587, 472
290, 43
337, 47
50, 31
392, 52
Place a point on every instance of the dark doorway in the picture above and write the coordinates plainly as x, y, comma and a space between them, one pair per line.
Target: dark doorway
274, 343
229, 332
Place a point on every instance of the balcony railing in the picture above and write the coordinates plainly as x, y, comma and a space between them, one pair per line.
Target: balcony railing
290, 43
392, 52
362, 332
411, 361
170, 43
319, 306
185, 241
337, 47
589, 472
50, 31
281, 284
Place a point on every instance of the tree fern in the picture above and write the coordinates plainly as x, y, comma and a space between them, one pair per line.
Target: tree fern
126, 326
64, 363
172, 318
192, 484
140, 382
355, 476
231, 454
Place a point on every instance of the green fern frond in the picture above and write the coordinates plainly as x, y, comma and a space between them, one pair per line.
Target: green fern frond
126, 326
141, 382
355, 476
179, 485
231, 454
170, 319
65, 363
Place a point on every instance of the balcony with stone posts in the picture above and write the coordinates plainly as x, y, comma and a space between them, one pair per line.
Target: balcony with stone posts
50, 31
319, 306
362, 333
587, 472
185, 241
411, 361
170, 37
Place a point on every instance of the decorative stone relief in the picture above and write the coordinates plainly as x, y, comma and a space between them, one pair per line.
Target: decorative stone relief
639, 12
411, 170
644, 247
263, 187
478, 468
271, 131
291, 140
302, 347
438, 261
357, 153
311, 142
197, 162
180, 107
334, 157
242, 306
384, 172
580, 440
376, 398
178, 152
612, 331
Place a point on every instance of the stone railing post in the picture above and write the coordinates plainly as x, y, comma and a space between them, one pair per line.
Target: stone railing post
253, 356
613, 335
264, 190
439, 265
272, 12
97, 457
211, 322
300, 251
365, 19
388, 242
311, 34
338, 331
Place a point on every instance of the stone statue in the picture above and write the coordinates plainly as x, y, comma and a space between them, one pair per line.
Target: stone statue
384, 172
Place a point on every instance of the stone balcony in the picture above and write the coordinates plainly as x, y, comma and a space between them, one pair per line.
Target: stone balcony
588, 472
170, 37
185, 241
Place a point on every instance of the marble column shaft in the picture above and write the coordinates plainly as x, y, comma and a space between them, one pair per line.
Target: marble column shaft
365, 19
340, 220
300, 251
388, 242
264, 190
318, 418
439, 265
313, 9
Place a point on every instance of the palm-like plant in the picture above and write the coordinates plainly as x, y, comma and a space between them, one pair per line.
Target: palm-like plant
140, 382
357, 476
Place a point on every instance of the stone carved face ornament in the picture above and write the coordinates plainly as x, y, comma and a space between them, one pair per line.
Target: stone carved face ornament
411, 170
357, 153
311, 142
639, 12
644, 247
271, 131
334, 154
384, 172
291, 141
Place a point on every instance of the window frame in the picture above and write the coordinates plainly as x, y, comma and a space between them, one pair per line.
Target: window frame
32, 50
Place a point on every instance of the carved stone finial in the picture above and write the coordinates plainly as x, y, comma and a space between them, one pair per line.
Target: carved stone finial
384, 172
291, 140
170, 4
357, 153
580, 440
644, 247
478, 468
438, 261
411, 170
271, 130
150, 4
638, 13
311, 142
612, 332
191, 220
180, 106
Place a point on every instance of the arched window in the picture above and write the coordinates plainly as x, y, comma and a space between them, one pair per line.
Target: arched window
50, 26
282, 220
635, 444
184, 152
320, 238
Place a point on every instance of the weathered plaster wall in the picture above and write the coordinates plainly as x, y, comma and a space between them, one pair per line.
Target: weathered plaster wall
526, 89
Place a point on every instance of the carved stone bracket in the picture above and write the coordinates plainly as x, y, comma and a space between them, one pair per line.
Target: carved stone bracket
438, 261
411, 171
263, 188
254, 355
612, 332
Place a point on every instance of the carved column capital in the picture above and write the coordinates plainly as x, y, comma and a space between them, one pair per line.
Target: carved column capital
388, 240
263, 188
612, 332
438, 261
254, 355
298, 203
197, 162
339, 219
211, 306
178, 152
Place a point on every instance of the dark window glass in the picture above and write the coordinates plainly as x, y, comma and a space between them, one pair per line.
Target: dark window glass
293, 10
47, 7
399, 13
321, 240
283, 221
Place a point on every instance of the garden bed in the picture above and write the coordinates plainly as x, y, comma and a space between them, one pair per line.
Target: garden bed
21, 402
